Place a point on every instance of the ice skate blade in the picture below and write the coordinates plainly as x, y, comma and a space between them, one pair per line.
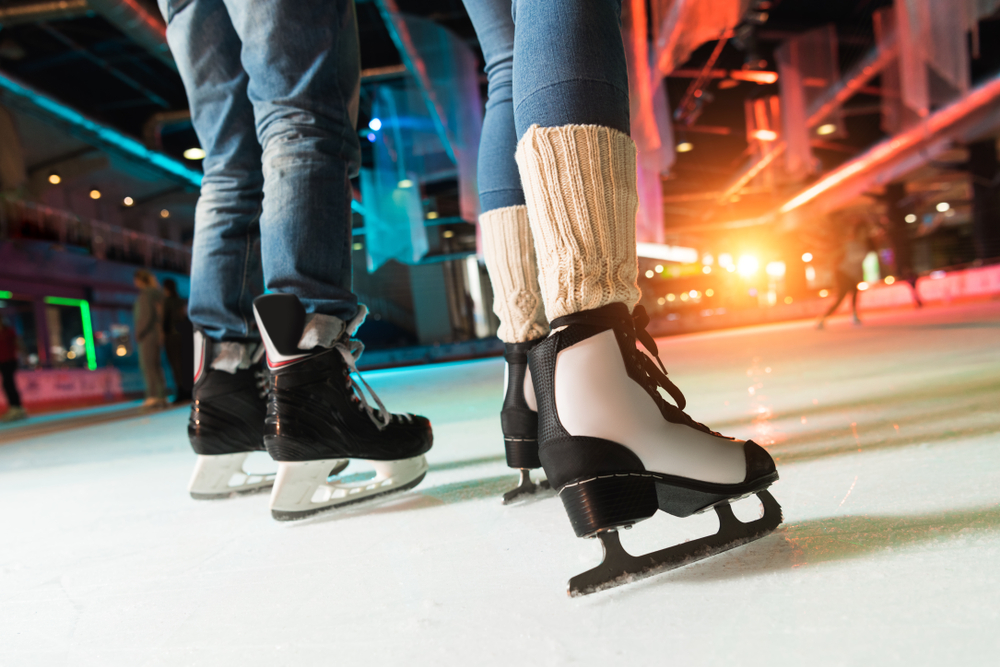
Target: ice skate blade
302, 490
620, 567
222, 476
525, 487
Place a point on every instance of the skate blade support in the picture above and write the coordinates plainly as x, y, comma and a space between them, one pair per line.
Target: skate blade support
620, 567
222, 476
525, 487
301, 488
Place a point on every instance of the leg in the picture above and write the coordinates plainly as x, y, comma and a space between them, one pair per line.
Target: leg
225, 267
146, 366
304, 78
302, 60
616, 450
841, 293
228, 410
9, 371
508, 246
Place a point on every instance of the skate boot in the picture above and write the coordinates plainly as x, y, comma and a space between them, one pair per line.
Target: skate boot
519, 420
617, 451
317, 414
14, 414
227, 417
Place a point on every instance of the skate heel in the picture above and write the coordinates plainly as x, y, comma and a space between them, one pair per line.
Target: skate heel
522, 452
222, 476
608, 501
302, 488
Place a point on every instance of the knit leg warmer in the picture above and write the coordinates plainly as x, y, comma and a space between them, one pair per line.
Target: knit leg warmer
580, 186
510, 259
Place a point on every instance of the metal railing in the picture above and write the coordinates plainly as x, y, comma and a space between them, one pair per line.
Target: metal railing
27, 220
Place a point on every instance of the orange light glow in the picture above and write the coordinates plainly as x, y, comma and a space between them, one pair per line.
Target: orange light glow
824, 293
889, 280
765, 135
756, 76
862, 286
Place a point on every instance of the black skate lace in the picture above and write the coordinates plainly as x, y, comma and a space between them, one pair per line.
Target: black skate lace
351, 351
651, 376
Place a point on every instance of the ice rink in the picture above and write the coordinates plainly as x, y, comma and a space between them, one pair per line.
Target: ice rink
887, 438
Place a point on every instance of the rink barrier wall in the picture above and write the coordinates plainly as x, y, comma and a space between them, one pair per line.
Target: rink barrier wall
48, 388
935, 289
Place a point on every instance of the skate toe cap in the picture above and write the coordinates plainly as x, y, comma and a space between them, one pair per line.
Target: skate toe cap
759, 462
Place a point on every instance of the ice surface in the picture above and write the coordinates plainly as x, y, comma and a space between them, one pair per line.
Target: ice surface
888, 442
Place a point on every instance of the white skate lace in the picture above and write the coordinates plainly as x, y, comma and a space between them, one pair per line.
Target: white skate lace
351, 352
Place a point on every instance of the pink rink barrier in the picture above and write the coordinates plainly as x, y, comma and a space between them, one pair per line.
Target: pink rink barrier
937, 287
67, 386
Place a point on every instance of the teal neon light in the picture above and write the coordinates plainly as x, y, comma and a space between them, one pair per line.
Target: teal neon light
94, 132
88, 326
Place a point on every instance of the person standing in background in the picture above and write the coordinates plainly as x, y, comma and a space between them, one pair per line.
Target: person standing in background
8, 368
850, 270
147, 315
178, 340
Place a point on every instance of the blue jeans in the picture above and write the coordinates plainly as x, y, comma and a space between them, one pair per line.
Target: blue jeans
273, 87
550, 64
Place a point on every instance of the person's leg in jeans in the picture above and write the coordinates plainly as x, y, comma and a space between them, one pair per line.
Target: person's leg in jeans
228, 407
508, 247
298, 67
608, 439
303, 64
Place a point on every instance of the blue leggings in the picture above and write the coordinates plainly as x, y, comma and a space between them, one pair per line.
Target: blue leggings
549, 64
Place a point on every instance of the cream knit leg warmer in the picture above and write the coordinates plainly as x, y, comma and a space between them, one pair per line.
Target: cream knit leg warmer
580, 185
510, 259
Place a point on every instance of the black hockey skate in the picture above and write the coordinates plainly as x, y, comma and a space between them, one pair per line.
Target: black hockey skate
317, 414
617, 451
227, 418
519, 422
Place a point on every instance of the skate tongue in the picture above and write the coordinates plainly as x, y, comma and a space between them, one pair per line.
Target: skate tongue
616, 316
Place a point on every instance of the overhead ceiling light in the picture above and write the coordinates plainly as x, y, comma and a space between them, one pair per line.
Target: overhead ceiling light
95, 194
448, 234
128, 201
194, 154
765, 135
910, 217
55, 179
943, 206
405, 183
756, 76
685, 146
433, 215
164, 213
375, 124
807, 257
825, 129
